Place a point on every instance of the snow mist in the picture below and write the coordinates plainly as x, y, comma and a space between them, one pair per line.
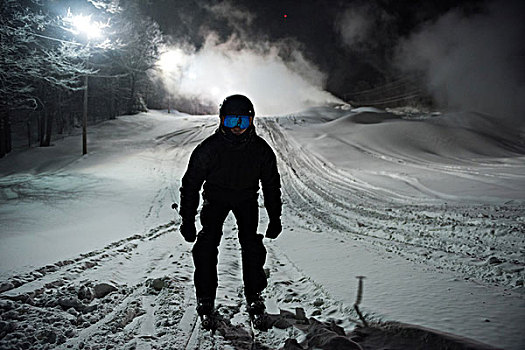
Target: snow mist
218, 69
356, 25
474, 62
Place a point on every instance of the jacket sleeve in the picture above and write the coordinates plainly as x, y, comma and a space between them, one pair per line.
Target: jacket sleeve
192, 182
271, 185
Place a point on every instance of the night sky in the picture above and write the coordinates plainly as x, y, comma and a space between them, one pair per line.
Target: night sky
466, 54
313, 27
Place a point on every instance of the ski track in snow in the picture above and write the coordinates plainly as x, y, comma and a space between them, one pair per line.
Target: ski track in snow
47, 307
152, 305
136, 315
325, 198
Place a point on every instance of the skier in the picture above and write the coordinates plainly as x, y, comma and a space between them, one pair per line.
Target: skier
230, 163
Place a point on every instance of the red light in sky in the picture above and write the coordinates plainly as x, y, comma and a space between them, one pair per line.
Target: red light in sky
285, 16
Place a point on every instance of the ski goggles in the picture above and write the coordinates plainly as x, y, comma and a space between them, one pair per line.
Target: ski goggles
242, 121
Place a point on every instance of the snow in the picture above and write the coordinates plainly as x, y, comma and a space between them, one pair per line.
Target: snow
429, 207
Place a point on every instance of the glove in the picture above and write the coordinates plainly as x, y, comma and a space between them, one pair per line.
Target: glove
188, 230
274, 228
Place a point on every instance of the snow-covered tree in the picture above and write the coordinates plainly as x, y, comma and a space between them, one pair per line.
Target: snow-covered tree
44, 61
36, 63
140, 38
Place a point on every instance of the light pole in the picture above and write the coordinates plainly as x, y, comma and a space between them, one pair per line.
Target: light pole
84, 26
84, 116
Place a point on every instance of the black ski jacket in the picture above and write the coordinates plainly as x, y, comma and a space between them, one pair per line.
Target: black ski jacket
231, 167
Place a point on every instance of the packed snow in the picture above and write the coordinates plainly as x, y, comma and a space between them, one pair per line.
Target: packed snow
428, 207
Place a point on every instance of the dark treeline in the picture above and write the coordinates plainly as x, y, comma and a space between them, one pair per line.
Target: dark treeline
44, 63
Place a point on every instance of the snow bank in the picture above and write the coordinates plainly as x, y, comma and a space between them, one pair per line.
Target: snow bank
428, 207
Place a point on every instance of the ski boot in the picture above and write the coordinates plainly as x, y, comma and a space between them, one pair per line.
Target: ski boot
207, 313
257, 312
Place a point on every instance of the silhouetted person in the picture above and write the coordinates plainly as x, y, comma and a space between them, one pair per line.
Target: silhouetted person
231, 163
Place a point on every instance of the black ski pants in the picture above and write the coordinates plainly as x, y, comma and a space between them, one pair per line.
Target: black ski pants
205, 250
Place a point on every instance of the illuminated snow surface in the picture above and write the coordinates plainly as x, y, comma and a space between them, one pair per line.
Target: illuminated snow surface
430, 208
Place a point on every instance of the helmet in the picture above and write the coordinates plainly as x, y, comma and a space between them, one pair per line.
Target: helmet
236, 104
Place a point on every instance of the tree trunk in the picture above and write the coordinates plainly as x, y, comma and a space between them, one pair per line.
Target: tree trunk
147, 94
112, 101
9, 145
41, 127
3, 150
49, 127
60, 113
131, 101
5, 134
28, 124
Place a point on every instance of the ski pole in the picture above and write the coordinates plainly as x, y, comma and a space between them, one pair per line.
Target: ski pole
359, 298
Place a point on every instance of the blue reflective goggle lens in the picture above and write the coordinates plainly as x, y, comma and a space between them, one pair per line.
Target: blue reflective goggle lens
242, 121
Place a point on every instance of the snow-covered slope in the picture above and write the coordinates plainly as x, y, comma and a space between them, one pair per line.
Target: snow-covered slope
428, 207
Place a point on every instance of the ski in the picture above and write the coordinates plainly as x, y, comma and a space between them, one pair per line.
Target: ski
260, 322
199, 334
210, 322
